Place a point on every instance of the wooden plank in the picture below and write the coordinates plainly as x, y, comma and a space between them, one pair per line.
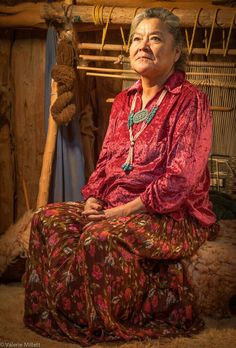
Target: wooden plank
22, 15
6, 154
28, 65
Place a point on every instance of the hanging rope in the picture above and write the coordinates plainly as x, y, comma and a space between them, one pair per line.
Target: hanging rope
223, 39
123, 39
211, 33
229, 34
97, 13
104, 31
190, 46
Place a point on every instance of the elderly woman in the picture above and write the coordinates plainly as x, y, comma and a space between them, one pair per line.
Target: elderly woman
110, 268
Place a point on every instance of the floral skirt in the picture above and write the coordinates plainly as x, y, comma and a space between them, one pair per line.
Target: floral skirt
117, 279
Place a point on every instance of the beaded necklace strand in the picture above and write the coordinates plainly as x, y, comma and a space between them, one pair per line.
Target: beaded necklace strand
137, 117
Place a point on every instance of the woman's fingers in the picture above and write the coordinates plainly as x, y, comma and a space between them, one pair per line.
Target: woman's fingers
92, 205
96, 217
96, 206
92, 212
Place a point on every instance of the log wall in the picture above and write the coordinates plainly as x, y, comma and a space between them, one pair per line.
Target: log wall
24, 52
28, 65
6, 153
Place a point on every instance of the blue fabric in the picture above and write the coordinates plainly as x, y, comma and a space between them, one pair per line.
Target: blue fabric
68, 167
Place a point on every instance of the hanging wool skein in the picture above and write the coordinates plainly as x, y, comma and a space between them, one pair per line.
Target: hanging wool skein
64, 109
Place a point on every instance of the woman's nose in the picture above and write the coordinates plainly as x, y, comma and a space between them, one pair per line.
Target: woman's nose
144, 45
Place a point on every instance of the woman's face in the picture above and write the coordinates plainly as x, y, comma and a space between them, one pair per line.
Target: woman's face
153, 52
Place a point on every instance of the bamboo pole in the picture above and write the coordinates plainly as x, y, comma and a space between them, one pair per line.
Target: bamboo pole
122, 48
49, 150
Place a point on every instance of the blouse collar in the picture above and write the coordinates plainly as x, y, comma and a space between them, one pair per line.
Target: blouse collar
173, 84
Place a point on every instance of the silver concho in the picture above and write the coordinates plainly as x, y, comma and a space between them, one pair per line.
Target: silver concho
140, 116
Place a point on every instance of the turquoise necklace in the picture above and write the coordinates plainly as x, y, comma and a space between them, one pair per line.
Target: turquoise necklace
137, 117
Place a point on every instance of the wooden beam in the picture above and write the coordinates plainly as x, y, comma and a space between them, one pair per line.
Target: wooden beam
121, 48
22, 15
187, 16
146, 3
37, 14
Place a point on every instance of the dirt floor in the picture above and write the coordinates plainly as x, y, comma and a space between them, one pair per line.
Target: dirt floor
218, 333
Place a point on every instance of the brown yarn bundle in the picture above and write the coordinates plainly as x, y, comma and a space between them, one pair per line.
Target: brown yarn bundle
64, 109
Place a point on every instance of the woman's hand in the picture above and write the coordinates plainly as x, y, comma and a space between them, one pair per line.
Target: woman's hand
114, 213
93, 210
133, 207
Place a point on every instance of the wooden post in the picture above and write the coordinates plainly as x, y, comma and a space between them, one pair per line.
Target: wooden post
48, 155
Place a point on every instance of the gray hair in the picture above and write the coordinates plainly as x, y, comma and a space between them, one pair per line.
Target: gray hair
172, 23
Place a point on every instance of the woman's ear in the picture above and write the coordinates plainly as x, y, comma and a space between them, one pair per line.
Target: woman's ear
177, 53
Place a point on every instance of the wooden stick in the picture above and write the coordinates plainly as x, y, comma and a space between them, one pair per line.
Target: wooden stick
89, 57
125, 77
104, 58
50, 145
121, 48
212, 64
221, 108
96, 46
210, 74
194, 82
25, 193
213, 51
88, 68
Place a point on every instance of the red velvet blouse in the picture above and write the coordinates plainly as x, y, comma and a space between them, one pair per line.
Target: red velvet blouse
170, 157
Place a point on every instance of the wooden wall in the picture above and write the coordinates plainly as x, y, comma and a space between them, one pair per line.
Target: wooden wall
6, 153
22, 134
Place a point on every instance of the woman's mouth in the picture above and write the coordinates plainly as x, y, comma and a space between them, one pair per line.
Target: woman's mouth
144, 57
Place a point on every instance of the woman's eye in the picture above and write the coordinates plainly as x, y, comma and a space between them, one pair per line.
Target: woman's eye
155, 38
136, 38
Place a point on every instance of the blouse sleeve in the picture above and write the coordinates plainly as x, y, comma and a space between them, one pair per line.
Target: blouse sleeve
96, 181
188, 150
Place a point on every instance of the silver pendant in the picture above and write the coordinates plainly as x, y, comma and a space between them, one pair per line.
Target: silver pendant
140, 116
